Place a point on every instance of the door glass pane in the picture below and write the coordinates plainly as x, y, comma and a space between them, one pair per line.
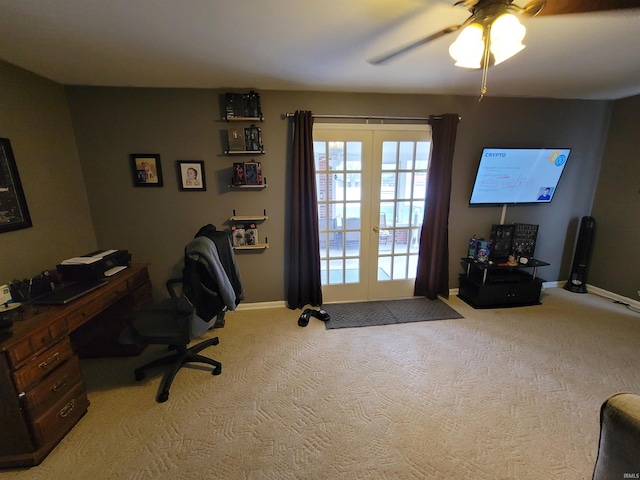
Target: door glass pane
406, 155
400, 267
405, 185
423, 151
339, 184
320, 155
402, 197
420, 185
389, 155
336, 271
352, 270
354, 186
321, 186
354, 156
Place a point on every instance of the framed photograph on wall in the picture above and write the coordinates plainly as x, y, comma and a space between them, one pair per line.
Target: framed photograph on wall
147, 170
14, 213
191, 175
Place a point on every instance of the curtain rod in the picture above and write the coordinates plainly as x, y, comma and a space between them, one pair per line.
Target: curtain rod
369, 117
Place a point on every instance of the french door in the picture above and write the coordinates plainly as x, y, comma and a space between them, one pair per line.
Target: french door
371, 184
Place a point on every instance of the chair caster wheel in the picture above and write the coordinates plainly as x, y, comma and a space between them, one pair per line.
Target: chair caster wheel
216, 371
162, 397
139, 376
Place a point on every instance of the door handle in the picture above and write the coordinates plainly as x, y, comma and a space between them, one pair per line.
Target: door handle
376, 229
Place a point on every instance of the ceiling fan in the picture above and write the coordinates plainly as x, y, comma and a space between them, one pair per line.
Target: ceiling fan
492, 33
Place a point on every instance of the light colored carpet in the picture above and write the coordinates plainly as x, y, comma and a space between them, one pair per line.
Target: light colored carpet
500, 394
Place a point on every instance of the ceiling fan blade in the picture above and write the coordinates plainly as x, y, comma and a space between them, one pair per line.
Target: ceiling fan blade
388, 56
561, 7
534, 7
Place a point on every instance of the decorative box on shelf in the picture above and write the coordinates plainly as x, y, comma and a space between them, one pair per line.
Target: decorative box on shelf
244, 232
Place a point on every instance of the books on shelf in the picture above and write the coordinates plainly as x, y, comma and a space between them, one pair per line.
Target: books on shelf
243, 105
244, 235
248, 139
238, 236
251, 234
236, 139
253, 139
247, 173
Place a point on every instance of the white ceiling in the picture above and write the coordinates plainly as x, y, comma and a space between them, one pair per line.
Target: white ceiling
310, 45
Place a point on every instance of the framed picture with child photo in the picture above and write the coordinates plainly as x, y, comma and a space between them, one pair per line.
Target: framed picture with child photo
191, 175
147, 170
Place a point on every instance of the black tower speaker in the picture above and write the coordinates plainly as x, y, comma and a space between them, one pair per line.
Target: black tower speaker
577, 282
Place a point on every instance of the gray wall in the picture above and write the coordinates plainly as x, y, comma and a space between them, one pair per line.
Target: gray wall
615, 262
77, 178
155, 223
34, 116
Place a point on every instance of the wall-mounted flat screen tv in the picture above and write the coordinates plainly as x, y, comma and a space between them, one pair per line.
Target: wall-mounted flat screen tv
518, 175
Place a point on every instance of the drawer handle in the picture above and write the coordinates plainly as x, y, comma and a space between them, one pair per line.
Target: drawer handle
45, 338
67, 409
59, 385
50, 361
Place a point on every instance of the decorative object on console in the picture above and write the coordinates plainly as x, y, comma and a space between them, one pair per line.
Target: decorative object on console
483, 250
473, 244
501, 238
147, 169
14, 213
516, 239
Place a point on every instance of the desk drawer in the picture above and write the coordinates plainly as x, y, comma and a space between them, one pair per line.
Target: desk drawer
36, 341
83, 314
54, 424
138, 279
46, 393
141, 296
42, 365
105, 297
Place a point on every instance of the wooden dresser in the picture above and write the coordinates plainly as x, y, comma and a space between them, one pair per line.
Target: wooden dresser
42, 395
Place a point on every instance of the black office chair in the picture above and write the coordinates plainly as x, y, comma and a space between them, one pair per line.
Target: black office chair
169, 323
210, 285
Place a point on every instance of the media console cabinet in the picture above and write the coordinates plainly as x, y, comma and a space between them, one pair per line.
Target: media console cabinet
42, 395
485, 285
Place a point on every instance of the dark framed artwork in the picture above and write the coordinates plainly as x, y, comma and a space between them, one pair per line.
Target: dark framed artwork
191, 175
147, 170
14, 213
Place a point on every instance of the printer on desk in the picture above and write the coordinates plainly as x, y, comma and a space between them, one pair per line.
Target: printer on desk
94, 266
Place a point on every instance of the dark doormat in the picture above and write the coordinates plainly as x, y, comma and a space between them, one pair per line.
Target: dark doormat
386, 312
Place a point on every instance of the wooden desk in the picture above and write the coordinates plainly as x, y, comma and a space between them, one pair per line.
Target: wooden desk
42, 395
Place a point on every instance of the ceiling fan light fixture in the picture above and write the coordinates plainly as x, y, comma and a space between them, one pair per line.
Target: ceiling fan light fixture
468, 48
506, 35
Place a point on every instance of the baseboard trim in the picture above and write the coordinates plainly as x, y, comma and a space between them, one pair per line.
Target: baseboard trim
261, 305
613, 296
454, 291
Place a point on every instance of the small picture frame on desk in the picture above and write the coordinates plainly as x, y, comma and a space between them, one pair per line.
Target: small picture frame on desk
14, 213
147, 170
191, 175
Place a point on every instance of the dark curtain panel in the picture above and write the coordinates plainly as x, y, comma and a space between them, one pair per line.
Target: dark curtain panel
432, 278
304, 247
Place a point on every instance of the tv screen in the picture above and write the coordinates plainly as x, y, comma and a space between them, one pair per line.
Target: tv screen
518, 175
